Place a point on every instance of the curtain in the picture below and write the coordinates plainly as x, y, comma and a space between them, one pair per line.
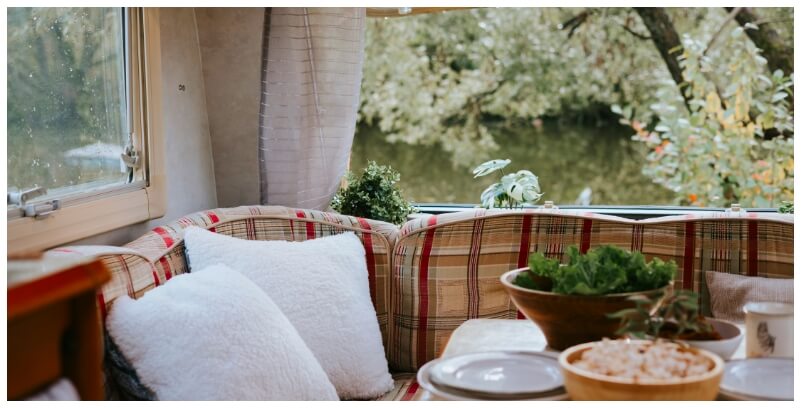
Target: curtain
311, 74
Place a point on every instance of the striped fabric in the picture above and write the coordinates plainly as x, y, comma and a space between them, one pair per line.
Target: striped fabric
446, 267
158, 255
311, 75
438, 271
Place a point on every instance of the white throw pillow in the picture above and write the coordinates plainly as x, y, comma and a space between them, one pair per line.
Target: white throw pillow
214, 335
321, 285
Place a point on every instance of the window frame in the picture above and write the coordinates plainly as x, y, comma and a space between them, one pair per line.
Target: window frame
94, 211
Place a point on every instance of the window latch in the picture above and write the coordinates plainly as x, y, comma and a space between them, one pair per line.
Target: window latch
36, 210
130, 158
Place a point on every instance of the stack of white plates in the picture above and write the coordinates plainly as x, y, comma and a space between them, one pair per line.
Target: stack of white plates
758, 379
498, 375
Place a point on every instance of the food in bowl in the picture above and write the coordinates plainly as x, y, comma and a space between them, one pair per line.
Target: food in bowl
643, 360
640, 370
571, 303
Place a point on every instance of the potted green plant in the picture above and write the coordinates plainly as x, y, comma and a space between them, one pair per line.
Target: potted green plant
373, 194
677, 318
512, 191
570, 302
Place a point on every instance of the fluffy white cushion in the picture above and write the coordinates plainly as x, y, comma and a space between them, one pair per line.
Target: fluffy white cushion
214, 335
321, 285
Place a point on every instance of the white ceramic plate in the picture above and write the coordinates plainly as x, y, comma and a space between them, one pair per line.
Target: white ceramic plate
500, 373
423, 378
758, 379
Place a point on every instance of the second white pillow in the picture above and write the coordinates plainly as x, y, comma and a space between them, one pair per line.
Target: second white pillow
322, 287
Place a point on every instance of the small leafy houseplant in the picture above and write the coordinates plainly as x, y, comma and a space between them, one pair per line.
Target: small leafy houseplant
374, 194
676, 318
601, 271
786, 207
512, 191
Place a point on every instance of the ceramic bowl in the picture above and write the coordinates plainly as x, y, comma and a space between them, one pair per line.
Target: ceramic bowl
583, 385
731, 334
567, 320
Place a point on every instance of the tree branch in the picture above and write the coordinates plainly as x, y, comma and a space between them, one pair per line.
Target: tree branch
715, 36
773, 47
667, 42
574, 22
636, 34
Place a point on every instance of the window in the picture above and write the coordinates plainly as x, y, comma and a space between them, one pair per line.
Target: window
583, 99
67, 111
81, 142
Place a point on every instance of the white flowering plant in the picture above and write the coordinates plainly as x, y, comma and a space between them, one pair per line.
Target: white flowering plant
512, 191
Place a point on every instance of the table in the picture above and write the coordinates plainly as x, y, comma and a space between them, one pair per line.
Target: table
54, 328
478, 335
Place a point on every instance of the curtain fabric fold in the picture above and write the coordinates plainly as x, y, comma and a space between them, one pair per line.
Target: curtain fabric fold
311, 75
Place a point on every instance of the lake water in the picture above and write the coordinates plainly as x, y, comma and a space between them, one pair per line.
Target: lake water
566, 158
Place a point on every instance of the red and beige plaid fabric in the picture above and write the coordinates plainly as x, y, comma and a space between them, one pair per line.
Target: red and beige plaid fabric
159, 255
446, 267
438, 271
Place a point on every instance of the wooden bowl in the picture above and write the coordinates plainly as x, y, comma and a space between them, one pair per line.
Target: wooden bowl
567, 320
583, 385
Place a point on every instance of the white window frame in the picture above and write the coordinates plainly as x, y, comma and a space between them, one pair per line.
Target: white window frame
92, 212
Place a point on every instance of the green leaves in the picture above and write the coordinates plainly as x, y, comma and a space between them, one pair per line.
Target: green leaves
675, 316
513, 190
489, 167
603, 270
374, 195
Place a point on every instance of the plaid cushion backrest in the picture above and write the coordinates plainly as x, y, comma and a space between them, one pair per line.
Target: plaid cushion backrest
158, 255
446, 267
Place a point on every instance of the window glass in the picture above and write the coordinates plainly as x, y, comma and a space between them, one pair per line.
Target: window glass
583, 98
67, 115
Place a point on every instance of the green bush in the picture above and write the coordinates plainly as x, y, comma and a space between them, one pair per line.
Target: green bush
373, 195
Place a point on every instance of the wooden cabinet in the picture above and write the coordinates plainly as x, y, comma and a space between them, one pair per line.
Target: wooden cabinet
54, 327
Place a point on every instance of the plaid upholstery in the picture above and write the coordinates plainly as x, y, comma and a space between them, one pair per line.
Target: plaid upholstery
446, 267
439, 271
159, 255
406, 388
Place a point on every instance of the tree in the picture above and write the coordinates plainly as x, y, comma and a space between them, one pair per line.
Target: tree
775, 49
667, 42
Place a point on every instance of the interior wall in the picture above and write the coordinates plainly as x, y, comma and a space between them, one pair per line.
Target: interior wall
189, 164
230, 46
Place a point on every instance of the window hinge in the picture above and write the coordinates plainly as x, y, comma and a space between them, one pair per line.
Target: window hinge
36, 210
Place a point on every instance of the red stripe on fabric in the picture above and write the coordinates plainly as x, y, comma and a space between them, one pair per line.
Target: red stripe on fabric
213, 217
309, 226
473, 293
525, 242
164, 235
410, 391
753, 248
212, 229
689, 255
586, 236
156, 280
101, 304
368, 248
166, 266
423, 292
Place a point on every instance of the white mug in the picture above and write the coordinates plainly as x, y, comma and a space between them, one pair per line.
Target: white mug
768, 329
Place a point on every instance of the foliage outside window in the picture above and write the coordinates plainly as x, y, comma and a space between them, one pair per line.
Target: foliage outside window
67, 110
461, 80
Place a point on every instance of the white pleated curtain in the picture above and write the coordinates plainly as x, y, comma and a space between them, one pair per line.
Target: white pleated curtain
311, 75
